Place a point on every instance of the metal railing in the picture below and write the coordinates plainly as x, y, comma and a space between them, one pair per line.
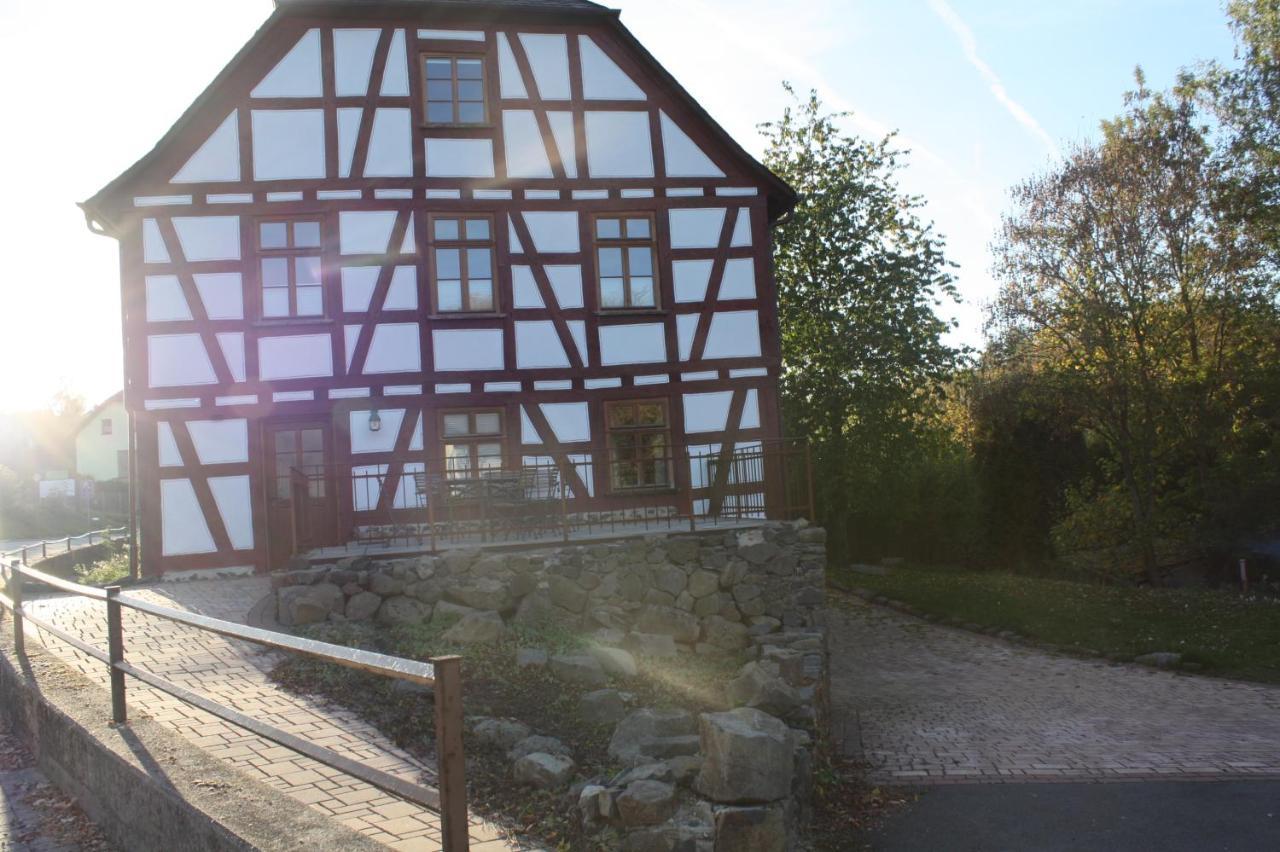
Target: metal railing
589, 491
442, 674
64, 545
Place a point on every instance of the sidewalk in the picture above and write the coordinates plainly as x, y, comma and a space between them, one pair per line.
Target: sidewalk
235, 674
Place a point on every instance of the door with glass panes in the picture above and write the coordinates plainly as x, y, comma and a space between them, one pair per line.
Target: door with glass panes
301, 498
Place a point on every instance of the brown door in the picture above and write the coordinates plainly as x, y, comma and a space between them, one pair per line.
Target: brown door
302, 503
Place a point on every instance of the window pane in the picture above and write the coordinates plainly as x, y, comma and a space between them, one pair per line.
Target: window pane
488, 423
481, 290
642, 292
439, 68
312, 440
310, 301
285, 443
439, 90
478, 261
611, 293
470, 69
449, 295
471, 112
608, 229
638, 229
610, 262
457, 424
306, 234
440, 112
470, 90
622, 415
477, 229
272, 235
650, 414
306, 270
275, 272
447, 263
275, 302
446, 229
489, 456
457, 459
640, 260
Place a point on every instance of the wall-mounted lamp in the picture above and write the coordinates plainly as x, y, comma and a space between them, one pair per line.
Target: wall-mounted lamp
375, 421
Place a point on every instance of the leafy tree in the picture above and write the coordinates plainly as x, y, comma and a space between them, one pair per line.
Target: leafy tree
859, 278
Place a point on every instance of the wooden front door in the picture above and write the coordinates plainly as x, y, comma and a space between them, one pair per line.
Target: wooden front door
302, 500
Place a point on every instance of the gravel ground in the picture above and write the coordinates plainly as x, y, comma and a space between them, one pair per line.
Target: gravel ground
36, 816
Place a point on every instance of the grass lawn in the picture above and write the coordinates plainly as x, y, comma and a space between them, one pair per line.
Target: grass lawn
1218, 632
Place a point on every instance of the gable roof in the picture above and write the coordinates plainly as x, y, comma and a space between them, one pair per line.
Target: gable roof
89, 416
112, 197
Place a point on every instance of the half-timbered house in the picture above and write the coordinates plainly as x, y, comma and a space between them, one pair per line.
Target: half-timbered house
398, 255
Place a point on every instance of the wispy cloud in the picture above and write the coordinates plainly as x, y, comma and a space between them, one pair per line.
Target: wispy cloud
969, 45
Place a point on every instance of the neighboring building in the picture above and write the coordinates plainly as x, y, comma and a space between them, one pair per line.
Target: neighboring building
403, 243
102, 442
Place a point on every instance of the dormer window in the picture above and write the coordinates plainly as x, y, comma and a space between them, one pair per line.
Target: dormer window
455, 90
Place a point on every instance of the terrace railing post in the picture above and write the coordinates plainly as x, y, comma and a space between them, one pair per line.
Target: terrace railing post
564, 508
15, 595
115, 653
44, 550
450, 764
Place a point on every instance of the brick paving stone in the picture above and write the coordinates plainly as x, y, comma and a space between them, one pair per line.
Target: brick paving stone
235, 674
923, 703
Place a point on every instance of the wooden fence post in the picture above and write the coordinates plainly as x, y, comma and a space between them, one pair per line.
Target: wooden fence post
15, 595
115, 653
450, 765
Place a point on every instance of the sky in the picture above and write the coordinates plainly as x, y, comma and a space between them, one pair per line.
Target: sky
983, 93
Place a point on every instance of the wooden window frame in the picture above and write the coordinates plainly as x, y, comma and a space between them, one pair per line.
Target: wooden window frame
665, 429
624, 243
486, 120
107, 427
317, 486
462, 244
472, 439
290, 252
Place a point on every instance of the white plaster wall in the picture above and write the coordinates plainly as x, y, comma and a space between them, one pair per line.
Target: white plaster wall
522, 141
602, 79
569, 421
297, 74
220, 441
174, 360
459, 157
167, 447
538, 345
618, 145
510, 83
690, 279
232, 345
183, 528
235, 504
222, 294
217, 159
682, 155
165, 301
153, 248
549, 61
288, 144
739, 279
696, 227
390, 144
295, 356
353, 51
553, 231
733, 334
394, 348
358, 283
706, 412
384, 440
635, 343
467, 349
208, 237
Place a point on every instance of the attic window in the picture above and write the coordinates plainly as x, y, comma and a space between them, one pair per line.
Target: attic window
455, 89
106, 425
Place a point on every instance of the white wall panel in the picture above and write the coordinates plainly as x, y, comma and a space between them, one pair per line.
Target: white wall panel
350, 334
526, 152
682, 155
297, 75
602, 79
353, 60
566, 283
690, 279
751, 411
562, 131
367, 481
510, 83
182, 525
686, 327
220, 441
467, 349
569, 421
578, 331
208, 237
549, 60
706, 412
174, 360
357, 287
296, 356
217, 159
153, 248
394, 348
348, 132
524, 289
390, 144
365, 231
166, 446
618, 145
553, 231
459, 157
415, 443
395, 76
165, 301
739, 279
232, 345
742, 229
696, 227
528, 434
635, 343
235, 505
222, 294
538, 345
364, 440
733, 334
288, 144
402, 295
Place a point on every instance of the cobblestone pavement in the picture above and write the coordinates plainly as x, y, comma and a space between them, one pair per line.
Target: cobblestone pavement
926, 704
35, 816
235, 674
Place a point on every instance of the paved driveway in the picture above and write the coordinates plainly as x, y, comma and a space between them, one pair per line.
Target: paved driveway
926, 704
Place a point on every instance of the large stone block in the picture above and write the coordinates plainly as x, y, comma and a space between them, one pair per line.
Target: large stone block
362, 606
669, 621
724, 634
476, 627
703, 583
299, 605
568, 594
646, 802
747, 757
578, 668
483, 593
761, 685
648, 735
402, 610
759, 829
547, 771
